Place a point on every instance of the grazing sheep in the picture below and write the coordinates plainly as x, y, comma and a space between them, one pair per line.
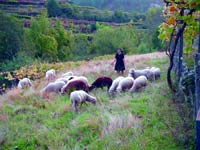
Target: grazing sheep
80, 97
115, 84
62, 79
125, 83
145, 72
75, 84
50, 75
82, 78
67, 74
139, 82
156, 72
24, 83
101, 82
52, 87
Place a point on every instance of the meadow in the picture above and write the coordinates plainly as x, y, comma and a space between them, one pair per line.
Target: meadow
148, 120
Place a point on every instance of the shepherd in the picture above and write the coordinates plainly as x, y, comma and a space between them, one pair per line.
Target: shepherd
119, 62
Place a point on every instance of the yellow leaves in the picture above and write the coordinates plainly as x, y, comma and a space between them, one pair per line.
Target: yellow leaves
171, 21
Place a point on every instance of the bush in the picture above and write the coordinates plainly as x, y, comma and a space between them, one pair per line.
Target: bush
22, 59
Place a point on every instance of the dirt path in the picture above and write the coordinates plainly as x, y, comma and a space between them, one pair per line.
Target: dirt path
104, 67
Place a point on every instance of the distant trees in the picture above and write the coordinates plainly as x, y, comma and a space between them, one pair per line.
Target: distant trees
107, 40
11, 37
141, 6
88, 13
51, 43
53, 8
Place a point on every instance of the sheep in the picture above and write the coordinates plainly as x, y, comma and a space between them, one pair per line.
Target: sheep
146, 72
156, 72
52, 87
75, 84
139, 82
67, 74
82, 78
50, 75
24, 83
62, 79
115, 84
125, 83
101, 82
80, 97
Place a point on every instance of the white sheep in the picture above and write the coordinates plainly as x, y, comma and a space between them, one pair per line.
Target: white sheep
53, 87
145, 72
62, 79
139, 82
115, 84
80, 97
156, 72
50, 74
24, 83
67, 74
125, 83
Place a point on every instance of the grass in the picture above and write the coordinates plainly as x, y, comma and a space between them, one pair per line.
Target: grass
148, 120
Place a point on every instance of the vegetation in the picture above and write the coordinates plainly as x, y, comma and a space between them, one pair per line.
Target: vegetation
146, 120
187, 21
180, 25
10, 45
129, 5
67, 10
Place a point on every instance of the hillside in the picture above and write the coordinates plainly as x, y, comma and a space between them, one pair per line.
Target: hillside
144, 120
140, 6
23, 8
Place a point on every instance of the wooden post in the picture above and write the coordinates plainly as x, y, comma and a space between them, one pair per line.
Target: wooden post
197, 82
197, 90
180, 58
198, 131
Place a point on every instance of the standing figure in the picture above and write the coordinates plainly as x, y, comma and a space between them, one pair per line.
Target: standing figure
119, 62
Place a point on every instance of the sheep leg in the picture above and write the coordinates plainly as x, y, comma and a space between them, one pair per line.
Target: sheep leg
74, 106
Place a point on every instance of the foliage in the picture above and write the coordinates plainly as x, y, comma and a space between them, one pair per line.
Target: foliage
81, 46
67, 10
11, 37
22, 59
107, 40
53, 8
177, 14
65, 40
51, 43
129, 5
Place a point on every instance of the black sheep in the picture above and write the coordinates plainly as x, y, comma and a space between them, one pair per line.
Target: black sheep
101, 82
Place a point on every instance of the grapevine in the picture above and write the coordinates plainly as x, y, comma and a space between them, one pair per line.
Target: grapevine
181, 19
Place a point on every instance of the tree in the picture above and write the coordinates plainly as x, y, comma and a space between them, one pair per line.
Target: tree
41, 34
53, 8
65, 40
11, 37
107, 40
51, 43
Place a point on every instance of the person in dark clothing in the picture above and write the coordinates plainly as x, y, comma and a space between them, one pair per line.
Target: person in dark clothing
119, 62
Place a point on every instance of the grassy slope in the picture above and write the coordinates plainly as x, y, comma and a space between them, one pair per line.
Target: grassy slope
147, 120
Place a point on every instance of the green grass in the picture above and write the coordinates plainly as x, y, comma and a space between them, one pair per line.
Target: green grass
148, 120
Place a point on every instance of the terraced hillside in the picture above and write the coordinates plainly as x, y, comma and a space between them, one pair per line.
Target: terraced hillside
23, 7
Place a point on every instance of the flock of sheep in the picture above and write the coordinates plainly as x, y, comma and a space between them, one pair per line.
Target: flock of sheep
78, 87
